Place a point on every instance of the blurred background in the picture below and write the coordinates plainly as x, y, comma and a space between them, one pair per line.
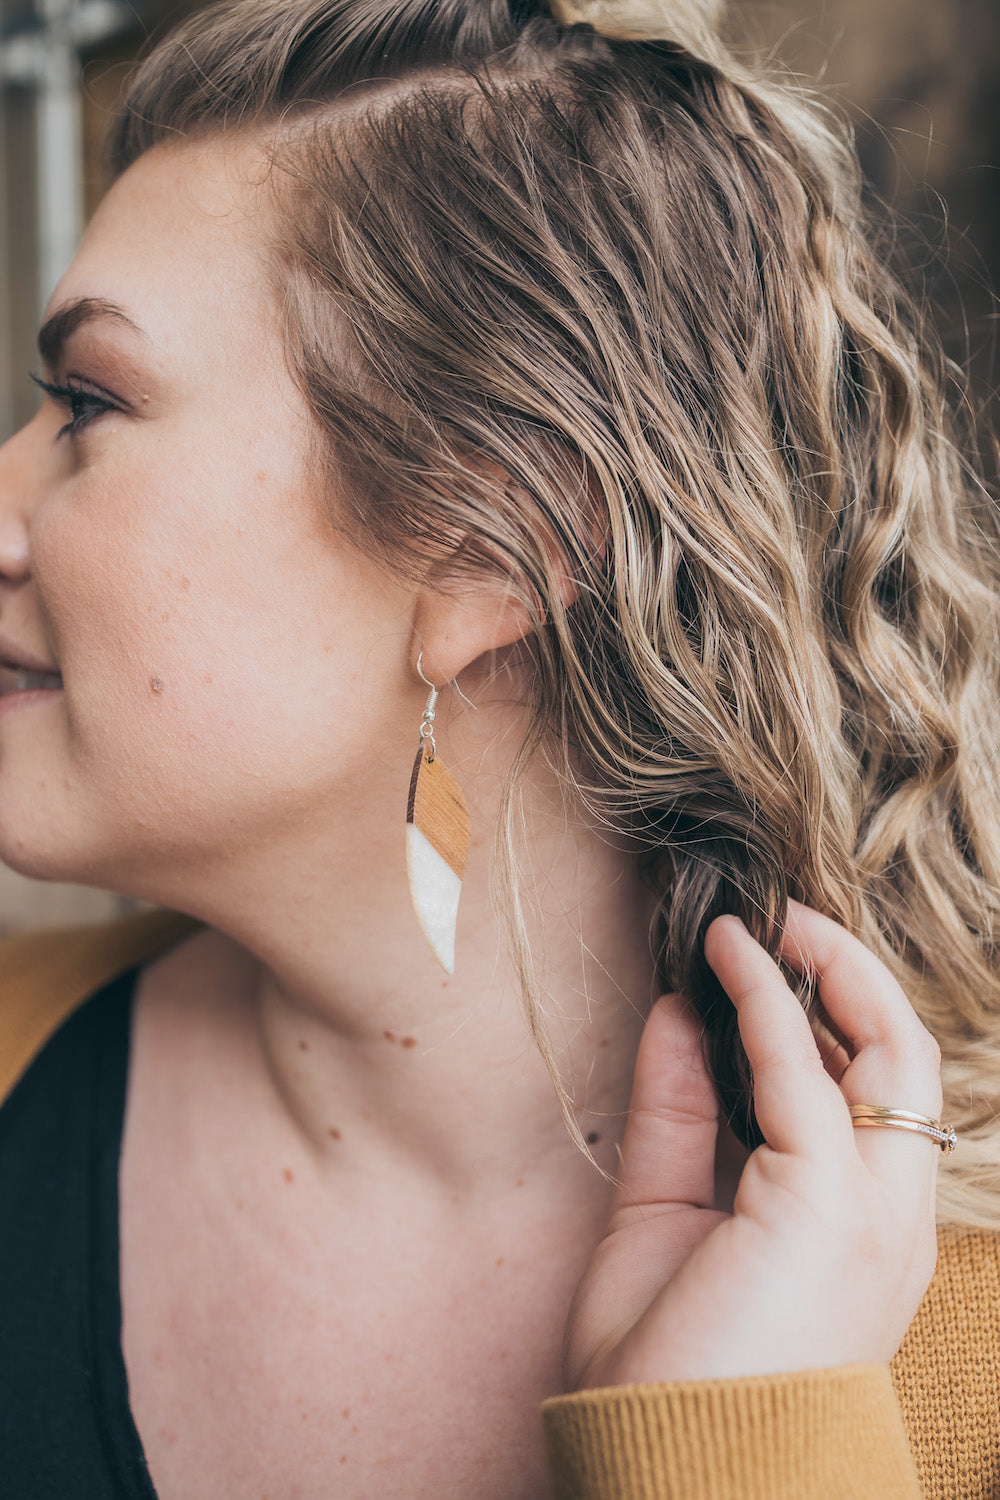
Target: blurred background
920, 80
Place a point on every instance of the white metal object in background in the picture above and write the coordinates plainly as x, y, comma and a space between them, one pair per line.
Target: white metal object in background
43, 54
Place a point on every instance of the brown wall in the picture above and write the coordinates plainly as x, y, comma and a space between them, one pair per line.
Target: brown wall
921, 80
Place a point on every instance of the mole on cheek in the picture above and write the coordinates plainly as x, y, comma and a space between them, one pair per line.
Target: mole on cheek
156, 684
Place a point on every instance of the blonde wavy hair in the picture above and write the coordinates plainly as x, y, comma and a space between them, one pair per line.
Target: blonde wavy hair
582, 292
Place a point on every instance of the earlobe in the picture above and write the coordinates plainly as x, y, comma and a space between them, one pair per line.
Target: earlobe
457, 622
454, 626
455, 629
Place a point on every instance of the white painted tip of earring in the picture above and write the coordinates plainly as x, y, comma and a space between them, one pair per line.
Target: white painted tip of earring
434, 891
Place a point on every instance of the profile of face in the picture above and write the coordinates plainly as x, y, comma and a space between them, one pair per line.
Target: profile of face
232, 669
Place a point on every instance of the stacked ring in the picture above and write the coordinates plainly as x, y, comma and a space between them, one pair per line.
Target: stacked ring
875, 1115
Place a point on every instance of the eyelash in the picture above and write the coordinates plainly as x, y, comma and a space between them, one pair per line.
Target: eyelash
82, 404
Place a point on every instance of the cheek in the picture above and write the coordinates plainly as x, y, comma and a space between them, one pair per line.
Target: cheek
212, 649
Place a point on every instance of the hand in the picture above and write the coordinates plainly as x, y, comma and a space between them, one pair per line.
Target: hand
831, 1242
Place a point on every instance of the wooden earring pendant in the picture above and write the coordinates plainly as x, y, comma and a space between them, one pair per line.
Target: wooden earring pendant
437, 841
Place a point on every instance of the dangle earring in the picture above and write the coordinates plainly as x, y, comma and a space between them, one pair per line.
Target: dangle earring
437, 838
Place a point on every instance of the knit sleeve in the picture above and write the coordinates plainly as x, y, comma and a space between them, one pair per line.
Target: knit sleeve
811, 1435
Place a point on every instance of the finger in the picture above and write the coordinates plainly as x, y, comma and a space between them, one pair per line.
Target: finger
891, 1047
895, 1060
836, 1059
833, 1048
799, 1108
668, 1153
861, 997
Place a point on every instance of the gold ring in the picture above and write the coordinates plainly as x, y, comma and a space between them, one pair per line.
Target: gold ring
904, 1119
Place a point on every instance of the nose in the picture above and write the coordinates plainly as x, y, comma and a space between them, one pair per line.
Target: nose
15, 509
13, 550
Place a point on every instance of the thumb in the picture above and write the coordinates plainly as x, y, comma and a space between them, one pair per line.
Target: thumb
668, 1152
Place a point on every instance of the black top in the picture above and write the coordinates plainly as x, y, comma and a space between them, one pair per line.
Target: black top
66, 1431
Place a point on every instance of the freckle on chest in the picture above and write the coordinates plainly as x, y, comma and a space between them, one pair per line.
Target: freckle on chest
405, 1042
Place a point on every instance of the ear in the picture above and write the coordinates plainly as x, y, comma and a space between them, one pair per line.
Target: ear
458, 621
454, 627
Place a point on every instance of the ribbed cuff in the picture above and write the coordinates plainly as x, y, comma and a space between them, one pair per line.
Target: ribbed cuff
833, 1434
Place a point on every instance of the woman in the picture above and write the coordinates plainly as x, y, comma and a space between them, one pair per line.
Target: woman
459, 343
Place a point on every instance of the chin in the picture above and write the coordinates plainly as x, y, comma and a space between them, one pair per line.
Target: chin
25, 859
45, 852
45, 866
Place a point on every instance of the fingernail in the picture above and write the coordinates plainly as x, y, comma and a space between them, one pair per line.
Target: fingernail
725, 918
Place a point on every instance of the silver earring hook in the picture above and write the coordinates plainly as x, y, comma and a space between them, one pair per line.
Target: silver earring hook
436, 690
427, 722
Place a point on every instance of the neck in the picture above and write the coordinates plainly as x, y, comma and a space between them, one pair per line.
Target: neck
362, 1035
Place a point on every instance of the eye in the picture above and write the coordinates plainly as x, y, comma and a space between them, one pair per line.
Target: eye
83, 403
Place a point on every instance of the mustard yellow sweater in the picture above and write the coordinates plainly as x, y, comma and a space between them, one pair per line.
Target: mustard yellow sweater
929, 1426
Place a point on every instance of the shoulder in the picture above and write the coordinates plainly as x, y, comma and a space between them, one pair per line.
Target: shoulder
45, 975
947, 1372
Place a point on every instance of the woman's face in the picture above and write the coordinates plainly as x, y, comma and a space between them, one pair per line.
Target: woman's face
229, 663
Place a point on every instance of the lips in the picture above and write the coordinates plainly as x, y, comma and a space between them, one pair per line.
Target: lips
23, 672
21, 680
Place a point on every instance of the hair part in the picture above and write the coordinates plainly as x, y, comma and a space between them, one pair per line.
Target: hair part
543, 284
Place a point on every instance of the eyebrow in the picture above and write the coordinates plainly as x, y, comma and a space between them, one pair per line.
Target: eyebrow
57, 330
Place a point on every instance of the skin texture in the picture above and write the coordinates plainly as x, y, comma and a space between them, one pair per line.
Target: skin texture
360, 1167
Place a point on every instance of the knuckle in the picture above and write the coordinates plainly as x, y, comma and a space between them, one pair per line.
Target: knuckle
791, 1053
920, 1049
915, 1045
680, 1112
751, 991
931, 1049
